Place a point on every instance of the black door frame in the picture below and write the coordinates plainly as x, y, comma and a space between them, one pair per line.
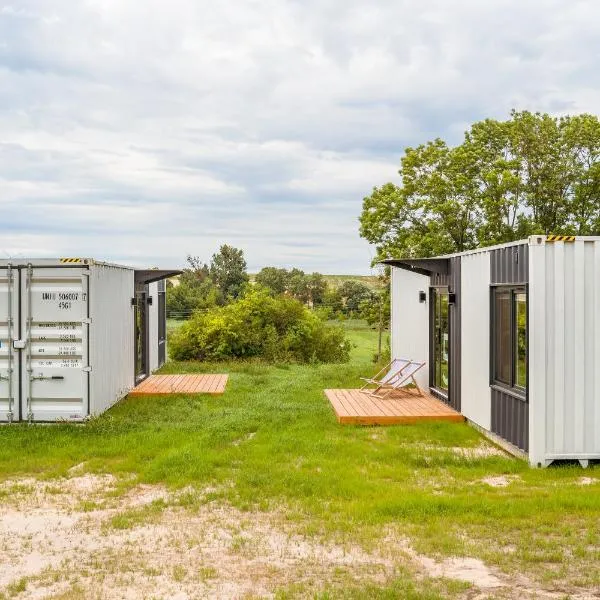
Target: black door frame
444, 394
141, 304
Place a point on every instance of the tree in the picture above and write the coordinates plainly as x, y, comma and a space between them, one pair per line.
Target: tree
228, 271
274, 279
533, 173
317, 287
194, 291
352, 294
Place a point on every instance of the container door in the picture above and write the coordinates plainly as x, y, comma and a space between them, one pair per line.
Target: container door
55, 324
9, 372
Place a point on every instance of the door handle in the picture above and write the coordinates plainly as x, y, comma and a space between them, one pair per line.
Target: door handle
52, 377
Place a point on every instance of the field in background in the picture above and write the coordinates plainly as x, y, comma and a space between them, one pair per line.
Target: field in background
335, 280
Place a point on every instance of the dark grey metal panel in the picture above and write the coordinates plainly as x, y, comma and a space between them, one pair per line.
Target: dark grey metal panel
420, 265
152, 275
510, 418
452, 282
510, 265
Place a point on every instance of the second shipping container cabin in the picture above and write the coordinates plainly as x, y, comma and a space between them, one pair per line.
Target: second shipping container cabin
76, 335
511, 334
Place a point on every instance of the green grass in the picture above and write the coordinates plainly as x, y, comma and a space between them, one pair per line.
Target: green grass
352, 483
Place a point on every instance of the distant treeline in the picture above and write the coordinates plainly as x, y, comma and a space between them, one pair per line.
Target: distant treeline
225, 279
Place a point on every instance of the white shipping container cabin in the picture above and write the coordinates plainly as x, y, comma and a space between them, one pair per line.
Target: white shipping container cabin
76, 335
511, 334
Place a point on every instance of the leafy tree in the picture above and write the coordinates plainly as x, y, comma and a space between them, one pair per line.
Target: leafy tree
194, 291
228, 271
317, 287
508, 179
351, 295
309, 289
274, 279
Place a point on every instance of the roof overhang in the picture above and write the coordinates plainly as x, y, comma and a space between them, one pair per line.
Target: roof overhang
424, 266
143, 276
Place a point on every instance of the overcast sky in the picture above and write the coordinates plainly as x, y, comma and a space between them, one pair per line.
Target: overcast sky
140, 131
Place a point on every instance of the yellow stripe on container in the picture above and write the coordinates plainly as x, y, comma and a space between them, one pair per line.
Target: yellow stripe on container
560, 238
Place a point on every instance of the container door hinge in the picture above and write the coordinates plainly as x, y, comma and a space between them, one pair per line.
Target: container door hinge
87, 369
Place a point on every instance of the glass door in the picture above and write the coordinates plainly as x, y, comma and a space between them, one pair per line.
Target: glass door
141, 369
441, 339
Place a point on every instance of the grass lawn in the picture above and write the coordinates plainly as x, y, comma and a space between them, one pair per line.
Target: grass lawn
271, 443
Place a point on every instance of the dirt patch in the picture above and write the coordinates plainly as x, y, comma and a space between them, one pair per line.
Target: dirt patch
587, 481
482, 450
140, 544
500, 480
149, 542
471, 570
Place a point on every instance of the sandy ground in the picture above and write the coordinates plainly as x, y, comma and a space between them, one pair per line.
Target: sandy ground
78, 538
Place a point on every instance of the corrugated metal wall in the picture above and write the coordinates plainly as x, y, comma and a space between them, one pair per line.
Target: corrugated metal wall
510, 418
565, 354
510, 265
452, 281
111, 335
510, 414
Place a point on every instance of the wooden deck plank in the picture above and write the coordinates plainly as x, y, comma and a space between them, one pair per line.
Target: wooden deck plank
214, 383
181, 384
338, 408
340, 397
358, 407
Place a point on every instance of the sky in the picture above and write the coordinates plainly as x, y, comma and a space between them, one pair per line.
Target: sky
142, 131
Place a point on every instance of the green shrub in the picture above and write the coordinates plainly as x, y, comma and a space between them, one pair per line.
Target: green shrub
260, 325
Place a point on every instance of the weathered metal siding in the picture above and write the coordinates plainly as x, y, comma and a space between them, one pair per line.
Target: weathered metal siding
410, 319
510, 418
111, 335
9, 320
54, 334
510, 265
564, 370
452, 281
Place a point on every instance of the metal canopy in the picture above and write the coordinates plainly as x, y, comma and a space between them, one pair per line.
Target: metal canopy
425, 266
143, 276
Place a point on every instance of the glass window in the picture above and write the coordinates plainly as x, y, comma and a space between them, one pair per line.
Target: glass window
509, 337
520, 300
503, 337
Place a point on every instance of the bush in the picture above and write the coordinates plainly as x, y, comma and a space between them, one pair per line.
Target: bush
260, 325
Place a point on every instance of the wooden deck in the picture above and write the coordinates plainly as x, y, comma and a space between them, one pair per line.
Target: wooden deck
358, 407
180, 384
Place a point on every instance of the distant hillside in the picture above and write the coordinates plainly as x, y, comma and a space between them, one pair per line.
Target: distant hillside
371, 280
335, 280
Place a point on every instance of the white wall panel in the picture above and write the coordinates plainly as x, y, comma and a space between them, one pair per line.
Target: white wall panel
475, 339
111, 335
410, 320
153, 326
565, 350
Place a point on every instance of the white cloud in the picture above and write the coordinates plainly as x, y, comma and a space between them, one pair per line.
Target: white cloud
141, 131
